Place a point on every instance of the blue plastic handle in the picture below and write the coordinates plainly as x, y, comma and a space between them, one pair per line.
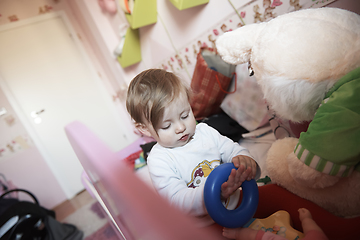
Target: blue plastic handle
212, 197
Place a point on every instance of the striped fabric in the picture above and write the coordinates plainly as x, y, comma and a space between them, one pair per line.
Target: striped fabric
320, 164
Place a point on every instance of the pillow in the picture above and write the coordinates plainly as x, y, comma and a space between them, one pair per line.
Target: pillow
246, 105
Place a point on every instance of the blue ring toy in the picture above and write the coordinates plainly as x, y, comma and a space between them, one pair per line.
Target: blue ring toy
212, 194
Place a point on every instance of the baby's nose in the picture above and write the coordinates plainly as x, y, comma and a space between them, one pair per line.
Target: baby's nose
180, 128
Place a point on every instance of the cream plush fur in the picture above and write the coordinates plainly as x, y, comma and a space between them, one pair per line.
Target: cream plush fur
297, 58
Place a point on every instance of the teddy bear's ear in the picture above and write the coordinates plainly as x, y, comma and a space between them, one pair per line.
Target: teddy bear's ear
235, 46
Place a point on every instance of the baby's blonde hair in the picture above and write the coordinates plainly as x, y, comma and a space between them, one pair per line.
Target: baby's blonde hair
150, 92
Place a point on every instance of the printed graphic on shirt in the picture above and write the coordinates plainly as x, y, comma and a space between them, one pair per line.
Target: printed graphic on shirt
201, 171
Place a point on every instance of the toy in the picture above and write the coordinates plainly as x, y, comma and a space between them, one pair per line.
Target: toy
307, 64
108, 6
278, 223
127, 6
212, 190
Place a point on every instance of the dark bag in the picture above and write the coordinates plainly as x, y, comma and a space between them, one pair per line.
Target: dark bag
226, 126
23, 220
6, 185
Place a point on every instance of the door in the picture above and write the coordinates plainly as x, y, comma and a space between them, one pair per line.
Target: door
50, 82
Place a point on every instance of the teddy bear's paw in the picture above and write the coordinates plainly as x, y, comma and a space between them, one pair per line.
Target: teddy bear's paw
235, 46
307, 176
230, 55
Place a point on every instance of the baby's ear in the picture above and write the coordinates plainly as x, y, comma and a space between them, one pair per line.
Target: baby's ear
143, 129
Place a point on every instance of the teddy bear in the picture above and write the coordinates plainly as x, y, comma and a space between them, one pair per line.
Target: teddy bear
307, 64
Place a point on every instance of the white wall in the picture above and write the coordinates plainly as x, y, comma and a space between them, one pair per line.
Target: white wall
22, 163
26, 167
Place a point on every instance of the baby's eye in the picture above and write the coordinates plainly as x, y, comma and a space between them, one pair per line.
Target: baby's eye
166, 127
184, 116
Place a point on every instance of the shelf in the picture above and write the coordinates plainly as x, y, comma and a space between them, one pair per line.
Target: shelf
131, 52
184, 4
144, 13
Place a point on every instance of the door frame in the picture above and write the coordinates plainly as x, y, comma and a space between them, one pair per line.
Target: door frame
22, 115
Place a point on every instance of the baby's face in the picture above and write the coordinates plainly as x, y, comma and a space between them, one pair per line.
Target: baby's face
177, 126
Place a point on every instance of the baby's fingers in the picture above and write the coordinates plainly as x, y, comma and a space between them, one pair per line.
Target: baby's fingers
253, 169
248, 174
243, 175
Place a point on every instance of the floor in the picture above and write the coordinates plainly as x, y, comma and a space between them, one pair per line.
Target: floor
70, 206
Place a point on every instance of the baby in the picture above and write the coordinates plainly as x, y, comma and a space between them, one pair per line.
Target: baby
311, 230
186, 152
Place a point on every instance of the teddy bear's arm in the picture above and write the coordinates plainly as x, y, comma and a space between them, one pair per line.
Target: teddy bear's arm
331, 143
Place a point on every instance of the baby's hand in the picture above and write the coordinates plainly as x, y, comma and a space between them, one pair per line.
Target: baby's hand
246, 171
247, 162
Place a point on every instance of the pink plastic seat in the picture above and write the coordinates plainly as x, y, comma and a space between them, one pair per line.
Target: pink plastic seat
137, 211
121, 155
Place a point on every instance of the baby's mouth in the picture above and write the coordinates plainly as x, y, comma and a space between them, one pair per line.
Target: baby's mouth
184, 138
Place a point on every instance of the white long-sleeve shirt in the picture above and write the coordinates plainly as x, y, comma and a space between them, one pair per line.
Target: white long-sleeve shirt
179, 173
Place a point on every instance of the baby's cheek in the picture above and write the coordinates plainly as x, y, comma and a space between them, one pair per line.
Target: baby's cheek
164, 139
